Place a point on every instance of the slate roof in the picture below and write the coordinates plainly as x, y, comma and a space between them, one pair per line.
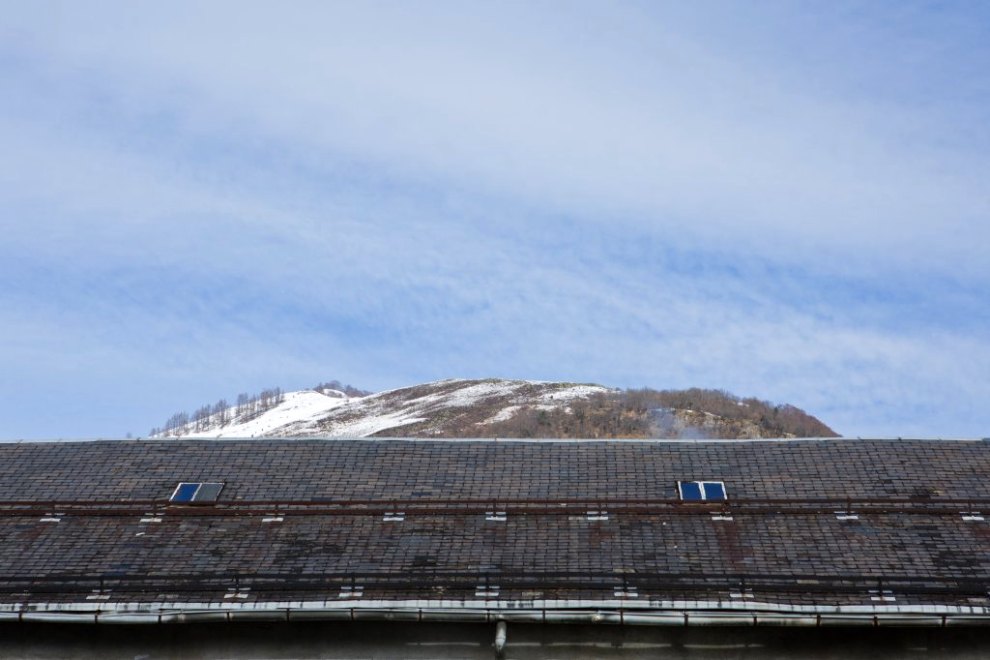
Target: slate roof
300, 520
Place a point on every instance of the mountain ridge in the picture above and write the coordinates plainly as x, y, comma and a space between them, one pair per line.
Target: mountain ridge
497, 408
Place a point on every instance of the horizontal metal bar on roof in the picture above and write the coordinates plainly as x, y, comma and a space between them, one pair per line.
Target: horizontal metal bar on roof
412, 511
468, 581
941, 506
316, 501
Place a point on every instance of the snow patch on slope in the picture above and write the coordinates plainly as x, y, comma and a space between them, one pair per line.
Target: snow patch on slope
333, 414
298, 409
548, 400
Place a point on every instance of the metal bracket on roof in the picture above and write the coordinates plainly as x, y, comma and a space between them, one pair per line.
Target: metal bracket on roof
626, 592
846, 515
52, 517
496, 516
351, 591
597, 514
273, 517
740, 590
237, 592
155, 516
394, 516
486, 591
972, 516
882, 595
721, 515
99, 594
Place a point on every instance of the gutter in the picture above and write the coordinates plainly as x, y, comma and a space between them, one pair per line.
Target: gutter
610, 612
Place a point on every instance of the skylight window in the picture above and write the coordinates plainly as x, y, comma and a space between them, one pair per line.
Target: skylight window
701, 491
196, 492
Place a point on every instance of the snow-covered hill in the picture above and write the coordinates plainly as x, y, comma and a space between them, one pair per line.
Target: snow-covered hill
497, 408
447, 407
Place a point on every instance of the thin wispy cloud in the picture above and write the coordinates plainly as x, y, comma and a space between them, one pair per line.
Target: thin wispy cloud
781, 202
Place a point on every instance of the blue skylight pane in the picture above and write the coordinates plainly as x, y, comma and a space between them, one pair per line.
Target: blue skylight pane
184, 493
690, 491
714, 490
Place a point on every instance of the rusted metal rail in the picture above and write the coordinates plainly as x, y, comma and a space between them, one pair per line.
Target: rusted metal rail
463, 507
452, 582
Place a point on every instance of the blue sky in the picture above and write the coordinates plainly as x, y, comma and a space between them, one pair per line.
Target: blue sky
785, 200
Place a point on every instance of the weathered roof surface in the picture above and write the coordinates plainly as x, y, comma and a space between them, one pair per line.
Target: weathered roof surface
353, 469
304, 519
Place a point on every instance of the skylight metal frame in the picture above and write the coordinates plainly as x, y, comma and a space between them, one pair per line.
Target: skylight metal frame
196, 493
701, 489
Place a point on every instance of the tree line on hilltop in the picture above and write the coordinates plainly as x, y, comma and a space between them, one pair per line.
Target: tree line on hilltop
349, 390
246, 408
221, 413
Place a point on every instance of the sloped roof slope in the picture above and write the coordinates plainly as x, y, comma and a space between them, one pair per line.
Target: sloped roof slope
810, 528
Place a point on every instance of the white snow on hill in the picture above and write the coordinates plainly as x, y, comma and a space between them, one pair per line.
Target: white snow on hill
298, 409
309, 413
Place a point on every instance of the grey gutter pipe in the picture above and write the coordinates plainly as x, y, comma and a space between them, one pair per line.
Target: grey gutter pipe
144, 613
